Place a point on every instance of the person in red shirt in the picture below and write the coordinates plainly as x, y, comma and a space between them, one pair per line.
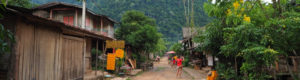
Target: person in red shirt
179, 66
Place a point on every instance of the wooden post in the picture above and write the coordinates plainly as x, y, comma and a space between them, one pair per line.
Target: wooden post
276, 66
101, 25
84, 52
51, 12
191, 45
83, 14
294, 63
104, 51
76, 17
96, 57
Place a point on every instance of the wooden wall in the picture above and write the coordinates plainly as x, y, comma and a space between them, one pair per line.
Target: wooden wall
88, 56
282, 67
72, 57
44, 53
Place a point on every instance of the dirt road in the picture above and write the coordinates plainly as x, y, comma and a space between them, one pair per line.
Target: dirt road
162, 71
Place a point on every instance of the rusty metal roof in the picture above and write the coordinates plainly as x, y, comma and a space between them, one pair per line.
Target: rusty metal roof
53, 4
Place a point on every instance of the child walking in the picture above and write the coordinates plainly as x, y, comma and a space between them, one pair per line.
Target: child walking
179, 66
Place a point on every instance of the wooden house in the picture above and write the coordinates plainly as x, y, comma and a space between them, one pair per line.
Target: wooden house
285, 68
71, 14
50, 44
188, 34
198, 58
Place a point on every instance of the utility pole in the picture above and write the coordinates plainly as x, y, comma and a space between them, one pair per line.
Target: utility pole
83, 14
84, 44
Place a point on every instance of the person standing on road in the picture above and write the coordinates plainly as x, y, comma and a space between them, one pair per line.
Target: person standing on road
158, 58
174, 61
179, 66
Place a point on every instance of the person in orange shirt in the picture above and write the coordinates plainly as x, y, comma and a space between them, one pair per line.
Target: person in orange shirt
212, 75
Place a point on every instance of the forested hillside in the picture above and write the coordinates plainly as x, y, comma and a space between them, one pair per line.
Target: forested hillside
169, 14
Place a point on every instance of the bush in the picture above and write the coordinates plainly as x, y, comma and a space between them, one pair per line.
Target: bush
185, 63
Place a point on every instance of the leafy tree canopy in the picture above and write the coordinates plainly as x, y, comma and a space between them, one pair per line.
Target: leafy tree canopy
21, 3
250, 35
139, 31
6, 37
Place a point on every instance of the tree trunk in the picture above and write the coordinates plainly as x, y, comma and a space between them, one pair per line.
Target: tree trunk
235, 65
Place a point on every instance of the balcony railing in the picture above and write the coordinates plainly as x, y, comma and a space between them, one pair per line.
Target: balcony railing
98, 31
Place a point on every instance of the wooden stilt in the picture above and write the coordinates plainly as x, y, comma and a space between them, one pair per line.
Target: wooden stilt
104, 52
96, 57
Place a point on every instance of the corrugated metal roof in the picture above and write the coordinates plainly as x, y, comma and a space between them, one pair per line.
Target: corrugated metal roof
52, 4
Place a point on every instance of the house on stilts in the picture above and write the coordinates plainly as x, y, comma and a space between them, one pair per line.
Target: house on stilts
51, 44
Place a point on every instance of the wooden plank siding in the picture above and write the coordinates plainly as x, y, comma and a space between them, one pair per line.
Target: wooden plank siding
283, 66
24, 36
45, 53
72, 56
88, 56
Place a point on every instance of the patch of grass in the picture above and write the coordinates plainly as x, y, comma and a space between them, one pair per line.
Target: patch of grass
139, 73
128, 79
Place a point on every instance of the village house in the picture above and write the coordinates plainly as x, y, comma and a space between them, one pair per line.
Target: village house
198, 59
71, 14
50, 44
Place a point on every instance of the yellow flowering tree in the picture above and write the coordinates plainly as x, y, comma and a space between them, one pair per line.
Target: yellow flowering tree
247, 35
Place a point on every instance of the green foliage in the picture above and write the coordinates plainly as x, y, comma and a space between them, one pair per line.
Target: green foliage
161, 45
139, 58
256, 58
134, 56
250, 35
225, 71
119, 62
94, 51
139, 31
21, 3
176, 47
186, 61
6, 37
213, 37
128, 78
94, 54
